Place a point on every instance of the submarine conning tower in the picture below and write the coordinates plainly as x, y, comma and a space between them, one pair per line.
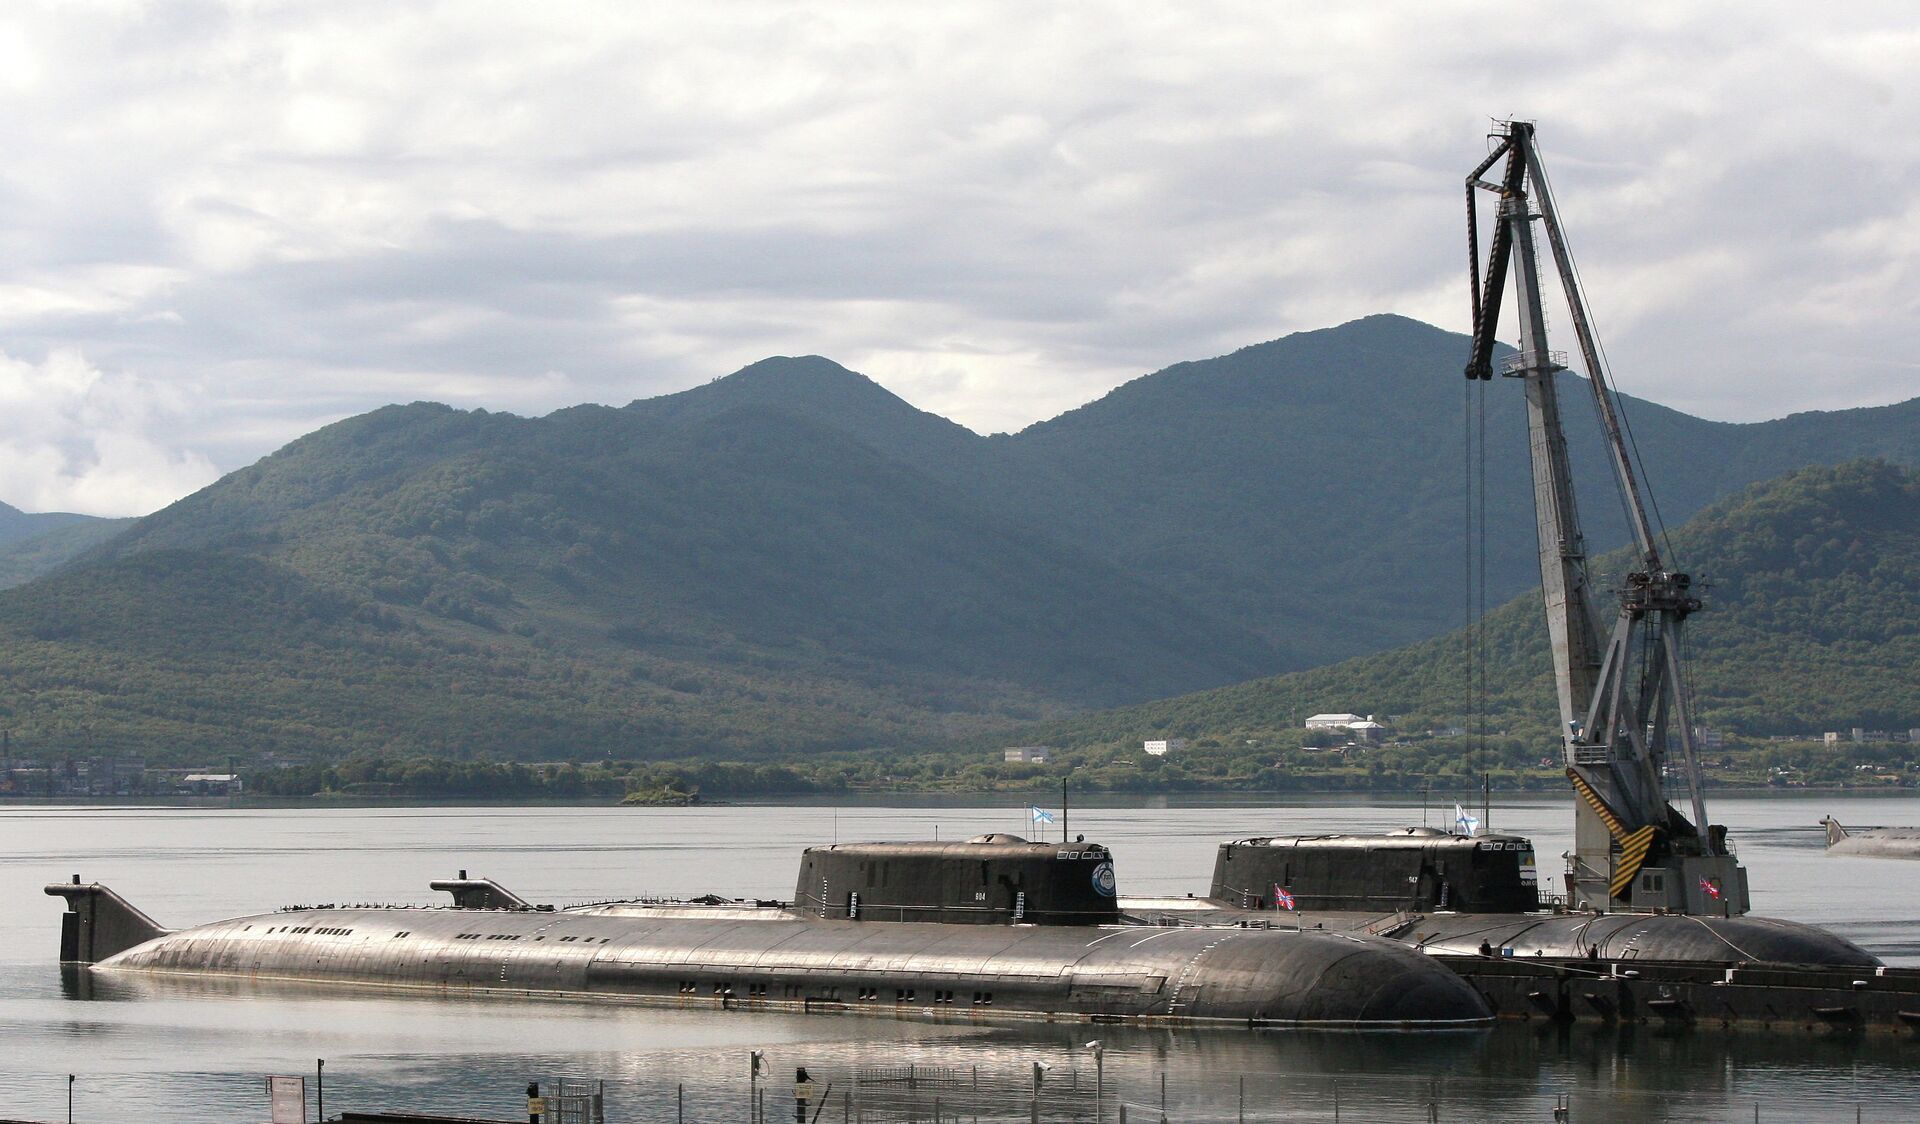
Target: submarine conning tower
1415, 869
991, 879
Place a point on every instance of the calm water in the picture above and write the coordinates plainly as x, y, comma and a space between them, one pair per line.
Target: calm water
198, 1053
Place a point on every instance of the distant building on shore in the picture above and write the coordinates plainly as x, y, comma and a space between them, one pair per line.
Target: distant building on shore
1368, 732
1859, 735
1363, 728
1029, 754
1164, 746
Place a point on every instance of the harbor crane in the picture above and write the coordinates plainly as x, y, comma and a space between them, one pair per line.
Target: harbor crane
1625, 716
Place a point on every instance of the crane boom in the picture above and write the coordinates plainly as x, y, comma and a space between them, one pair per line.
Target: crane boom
1621, 689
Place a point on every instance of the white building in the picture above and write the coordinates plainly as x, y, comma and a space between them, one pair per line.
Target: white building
1030, 754
1367, 731
1163, 747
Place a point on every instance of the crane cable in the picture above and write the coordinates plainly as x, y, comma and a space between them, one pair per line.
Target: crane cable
1480, 617
1474, 563
1470, 623
1626, 427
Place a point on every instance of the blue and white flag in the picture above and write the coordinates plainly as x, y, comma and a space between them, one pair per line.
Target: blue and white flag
1464, 824
1039, 815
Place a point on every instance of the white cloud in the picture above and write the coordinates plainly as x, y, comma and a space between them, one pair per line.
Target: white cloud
75, 439
302, 211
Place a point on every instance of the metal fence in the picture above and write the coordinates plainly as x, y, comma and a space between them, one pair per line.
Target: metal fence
574, 1101
1173, 1084
1080, 1094
912, 1094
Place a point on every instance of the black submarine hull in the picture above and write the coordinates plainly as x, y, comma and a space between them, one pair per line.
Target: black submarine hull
1680, 938
777, 959
1639, 936
1459, 895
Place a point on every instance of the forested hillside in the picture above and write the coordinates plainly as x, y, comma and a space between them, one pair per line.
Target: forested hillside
1812, 585
32, 544
791, 560
597, 582
1313, 486
48, 546
19, 526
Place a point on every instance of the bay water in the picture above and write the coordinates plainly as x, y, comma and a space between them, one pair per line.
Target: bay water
199, 1053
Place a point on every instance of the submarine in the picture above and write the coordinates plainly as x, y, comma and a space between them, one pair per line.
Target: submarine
1879, 842
994, 927
1461, 895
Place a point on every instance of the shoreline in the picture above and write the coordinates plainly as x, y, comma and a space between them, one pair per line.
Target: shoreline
931, 797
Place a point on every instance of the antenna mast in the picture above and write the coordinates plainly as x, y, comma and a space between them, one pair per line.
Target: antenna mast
1623, 700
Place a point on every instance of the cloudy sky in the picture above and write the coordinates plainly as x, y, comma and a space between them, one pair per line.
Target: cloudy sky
225, 224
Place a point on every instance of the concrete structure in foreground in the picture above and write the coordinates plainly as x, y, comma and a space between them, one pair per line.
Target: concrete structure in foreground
993, 928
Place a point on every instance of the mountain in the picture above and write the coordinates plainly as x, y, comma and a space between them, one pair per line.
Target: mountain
822, 391
32, 544
738, 578
1812, 588
1313, 486
791, 558
689, 527
19, 526
50, 546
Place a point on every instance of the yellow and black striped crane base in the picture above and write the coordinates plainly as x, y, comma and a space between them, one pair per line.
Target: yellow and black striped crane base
1633, 855
1581, 785
1633, 845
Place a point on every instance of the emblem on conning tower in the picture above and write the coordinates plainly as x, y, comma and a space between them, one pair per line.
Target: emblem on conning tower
1103, 879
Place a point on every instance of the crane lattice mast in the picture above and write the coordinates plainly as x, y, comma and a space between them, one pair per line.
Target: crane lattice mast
1624, 709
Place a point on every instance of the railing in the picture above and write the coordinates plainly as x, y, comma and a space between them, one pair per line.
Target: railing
1520, 362
1592, 754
